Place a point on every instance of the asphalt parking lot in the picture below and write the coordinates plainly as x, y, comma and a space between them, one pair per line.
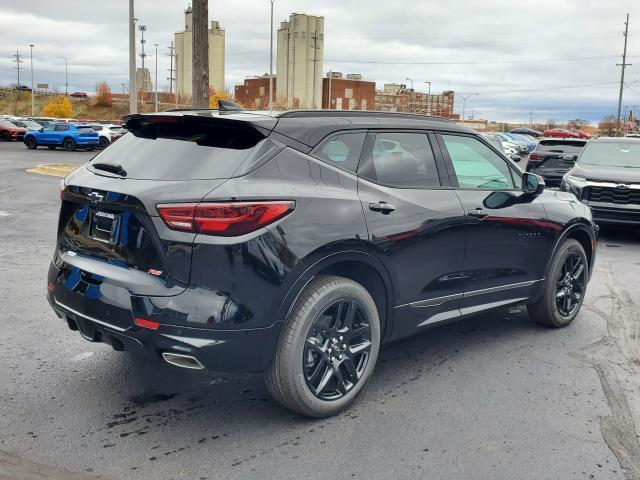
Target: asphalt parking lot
495, 396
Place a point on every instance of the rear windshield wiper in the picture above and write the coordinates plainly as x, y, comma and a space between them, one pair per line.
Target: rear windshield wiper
110, 167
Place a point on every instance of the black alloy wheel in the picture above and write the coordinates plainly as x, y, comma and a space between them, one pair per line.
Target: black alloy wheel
69, 145
104, 142
5, 136
570, 285
337, 350
564, 288
31, 143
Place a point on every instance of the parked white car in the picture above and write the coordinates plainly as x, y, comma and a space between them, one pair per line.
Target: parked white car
108, 133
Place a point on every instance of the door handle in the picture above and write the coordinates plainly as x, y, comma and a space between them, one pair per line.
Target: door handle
382, 207
478, 213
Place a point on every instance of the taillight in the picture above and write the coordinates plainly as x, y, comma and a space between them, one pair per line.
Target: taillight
150, 324
536, 156
223, 219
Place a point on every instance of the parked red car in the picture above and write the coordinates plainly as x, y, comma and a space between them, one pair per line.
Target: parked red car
9, 131
582, 134
78, 95
560, 133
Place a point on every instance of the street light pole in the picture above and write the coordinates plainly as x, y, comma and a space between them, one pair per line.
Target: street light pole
271, 61
429, 99
464, 97
411, 96
66, 77
33, 90
133, 102
156, 81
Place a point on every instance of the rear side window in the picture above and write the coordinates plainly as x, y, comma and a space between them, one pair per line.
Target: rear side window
560, 146
342, 150
174, 151
402, 160
61, 128
85, 129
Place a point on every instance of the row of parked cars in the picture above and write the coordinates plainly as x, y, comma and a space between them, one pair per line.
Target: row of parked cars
53, 133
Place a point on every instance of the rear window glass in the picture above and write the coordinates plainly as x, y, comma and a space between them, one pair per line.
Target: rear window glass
179, 152
564, 146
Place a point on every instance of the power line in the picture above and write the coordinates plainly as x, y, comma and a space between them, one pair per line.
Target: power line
489, 62
548, 88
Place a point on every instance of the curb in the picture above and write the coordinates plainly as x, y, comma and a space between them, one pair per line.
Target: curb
53, 169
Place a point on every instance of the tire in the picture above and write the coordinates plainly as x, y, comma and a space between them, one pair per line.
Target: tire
298, 352
31, 143
51, 147
69, 144
550, 309
5, 136
104, 143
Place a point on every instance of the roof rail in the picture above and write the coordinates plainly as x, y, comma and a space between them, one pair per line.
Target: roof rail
359, 113
223, 106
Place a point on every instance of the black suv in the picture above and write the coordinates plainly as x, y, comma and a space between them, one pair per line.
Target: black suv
296, 243
553, 157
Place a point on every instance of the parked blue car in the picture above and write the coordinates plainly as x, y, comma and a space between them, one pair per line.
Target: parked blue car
530, 145
69, 136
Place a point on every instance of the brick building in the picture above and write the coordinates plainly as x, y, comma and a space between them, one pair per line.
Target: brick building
254, 93
348, 93
398, 98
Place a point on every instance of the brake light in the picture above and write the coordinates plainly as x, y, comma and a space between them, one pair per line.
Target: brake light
141, 322
536, 156
223, 219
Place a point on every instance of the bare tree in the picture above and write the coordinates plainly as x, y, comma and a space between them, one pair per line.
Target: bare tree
200, 77
578, 123
607, 125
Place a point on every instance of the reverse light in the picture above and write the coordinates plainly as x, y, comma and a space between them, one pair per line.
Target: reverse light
223, 219
141, 322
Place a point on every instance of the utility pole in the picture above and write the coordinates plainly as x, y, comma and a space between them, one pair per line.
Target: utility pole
329, 94
411, 102
271, 61
200, 65
624, 64
66, 77
156, 79
530, 118
171, 78
624, 118
464, 97
33, 87
315, 61
133, 102
18, 61
123, 85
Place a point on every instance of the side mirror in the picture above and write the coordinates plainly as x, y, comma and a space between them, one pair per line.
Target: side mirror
532, 183
515, 158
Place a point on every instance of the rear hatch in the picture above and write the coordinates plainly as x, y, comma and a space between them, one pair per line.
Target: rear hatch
111, 242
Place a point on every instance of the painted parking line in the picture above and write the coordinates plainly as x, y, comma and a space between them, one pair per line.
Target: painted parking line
53, 169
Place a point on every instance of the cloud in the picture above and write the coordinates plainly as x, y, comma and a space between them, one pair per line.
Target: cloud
458, 43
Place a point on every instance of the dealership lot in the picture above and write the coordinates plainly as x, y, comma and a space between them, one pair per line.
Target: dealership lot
495, 396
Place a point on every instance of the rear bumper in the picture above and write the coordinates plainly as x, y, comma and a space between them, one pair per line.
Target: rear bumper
248, 350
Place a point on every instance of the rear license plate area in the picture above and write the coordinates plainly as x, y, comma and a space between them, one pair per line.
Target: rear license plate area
104, 226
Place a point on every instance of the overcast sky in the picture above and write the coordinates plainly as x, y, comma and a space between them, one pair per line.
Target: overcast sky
556, 58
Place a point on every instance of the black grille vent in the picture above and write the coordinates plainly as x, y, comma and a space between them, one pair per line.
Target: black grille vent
614, 195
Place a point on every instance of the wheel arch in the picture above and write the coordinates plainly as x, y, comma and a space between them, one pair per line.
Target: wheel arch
580, 232
359, 266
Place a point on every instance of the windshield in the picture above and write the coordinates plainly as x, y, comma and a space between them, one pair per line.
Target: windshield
612, 154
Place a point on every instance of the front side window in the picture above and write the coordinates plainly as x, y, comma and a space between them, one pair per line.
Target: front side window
342, 150
402, 160
476, 165
48, 128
